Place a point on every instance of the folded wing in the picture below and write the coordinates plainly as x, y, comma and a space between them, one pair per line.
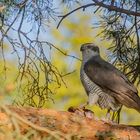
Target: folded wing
108, 77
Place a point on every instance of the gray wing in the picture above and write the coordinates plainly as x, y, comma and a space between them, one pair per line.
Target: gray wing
108, 77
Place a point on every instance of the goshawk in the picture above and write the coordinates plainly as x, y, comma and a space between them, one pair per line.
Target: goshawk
105, 85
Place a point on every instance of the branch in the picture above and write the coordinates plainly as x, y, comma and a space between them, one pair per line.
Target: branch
117, 9
81, 7
21, 4
101, 4
62, 124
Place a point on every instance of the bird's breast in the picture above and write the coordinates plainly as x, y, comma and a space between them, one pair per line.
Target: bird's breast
89, 85
104, 99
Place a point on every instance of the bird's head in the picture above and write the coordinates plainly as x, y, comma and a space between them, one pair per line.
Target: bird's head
89, 50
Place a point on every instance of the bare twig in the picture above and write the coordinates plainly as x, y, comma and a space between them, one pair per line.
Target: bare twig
115, 8
66, 15
101, 4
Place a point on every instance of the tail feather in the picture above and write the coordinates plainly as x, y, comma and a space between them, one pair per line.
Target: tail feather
137, 102
138, 106
130, 101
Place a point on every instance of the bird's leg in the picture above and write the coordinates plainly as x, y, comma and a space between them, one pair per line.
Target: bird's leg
116, 115
82, 106
113, 116
110, 119
108, 114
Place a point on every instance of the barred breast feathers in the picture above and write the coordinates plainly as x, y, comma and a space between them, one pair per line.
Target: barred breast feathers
95, 94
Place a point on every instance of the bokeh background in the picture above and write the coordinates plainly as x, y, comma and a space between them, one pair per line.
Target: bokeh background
75, 30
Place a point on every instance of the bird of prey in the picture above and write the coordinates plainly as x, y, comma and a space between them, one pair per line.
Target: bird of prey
104, 84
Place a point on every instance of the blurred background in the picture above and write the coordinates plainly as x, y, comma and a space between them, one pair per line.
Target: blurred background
40, 66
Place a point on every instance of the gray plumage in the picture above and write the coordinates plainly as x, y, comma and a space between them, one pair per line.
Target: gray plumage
105, 85
95, 93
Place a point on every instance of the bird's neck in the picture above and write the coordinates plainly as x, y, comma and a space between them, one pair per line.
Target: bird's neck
87, 58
